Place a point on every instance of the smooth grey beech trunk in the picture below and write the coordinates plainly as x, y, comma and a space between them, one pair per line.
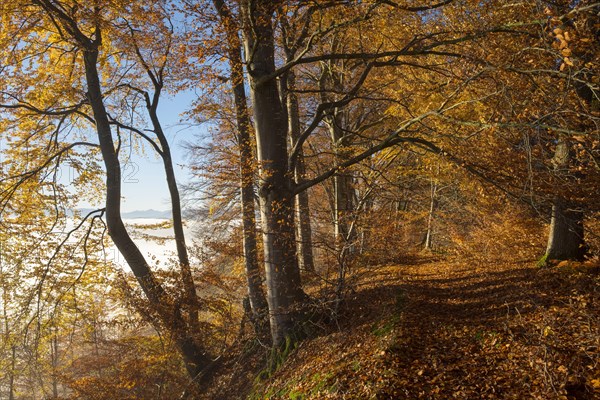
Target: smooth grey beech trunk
306, 261
258, 301
428, 242
284, 291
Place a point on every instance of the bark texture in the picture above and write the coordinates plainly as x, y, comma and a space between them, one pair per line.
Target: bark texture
565, 241
284, 292
256, 296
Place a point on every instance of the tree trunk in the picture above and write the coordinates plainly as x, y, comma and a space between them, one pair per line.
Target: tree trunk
193, 355
284, 291
343, 196
344, 206
343, 188
54, 362
258, 302
566, 238
302, 208
429, 234
304, 229
182, 252
565, 241
11, 376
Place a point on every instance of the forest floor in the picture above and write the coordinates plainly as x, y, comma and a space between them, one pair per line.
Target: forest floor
449, 330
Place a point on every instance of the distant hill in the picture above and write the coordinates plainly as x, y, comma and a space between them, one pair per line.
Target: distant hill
154, 214
165, 214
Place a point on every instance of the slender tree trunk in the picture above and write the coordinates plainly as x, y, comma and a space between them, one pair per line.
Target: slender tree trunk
302, 208
429, 234
7, 340
258, 301
344, 206
343, 198
304, 228
343, 188
565, 240
11, 377
194, 357
365, 233
54, 362
191, 305
284, 291
189, 285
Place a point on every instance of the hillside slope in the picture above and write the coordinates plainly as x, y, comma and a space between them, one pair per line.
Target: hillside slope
439, 330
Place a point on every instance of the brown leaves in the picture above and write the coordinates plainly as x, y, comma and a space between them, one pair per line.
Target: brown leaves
467, 331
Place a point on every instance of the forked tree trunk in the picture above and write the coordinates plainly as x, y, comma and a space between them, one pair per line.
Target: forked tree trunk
256, 296
284, 291
193, 354
192, 305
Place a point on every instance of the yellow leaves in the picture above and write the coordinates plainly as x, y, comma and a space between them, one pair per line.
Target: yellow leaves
567, 62
566, 52
562, 369
561, 42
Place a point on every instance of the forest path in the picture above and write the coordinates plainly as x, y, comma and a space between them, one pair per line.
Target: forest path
443, 329
471, 330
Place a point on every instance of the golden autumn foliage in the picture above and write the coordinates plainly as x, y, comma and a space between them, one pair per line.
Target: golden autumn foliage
374, 187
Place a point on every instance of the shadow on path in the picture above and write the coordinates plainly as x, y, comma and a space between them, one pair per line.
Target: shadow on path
514, 332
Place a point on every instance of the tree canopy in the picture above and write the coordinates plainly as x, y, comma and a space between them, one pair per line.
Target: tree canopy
336, 135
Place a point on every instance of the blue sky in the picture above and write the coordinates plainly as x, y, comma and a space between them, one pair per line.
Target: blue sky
144, 185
